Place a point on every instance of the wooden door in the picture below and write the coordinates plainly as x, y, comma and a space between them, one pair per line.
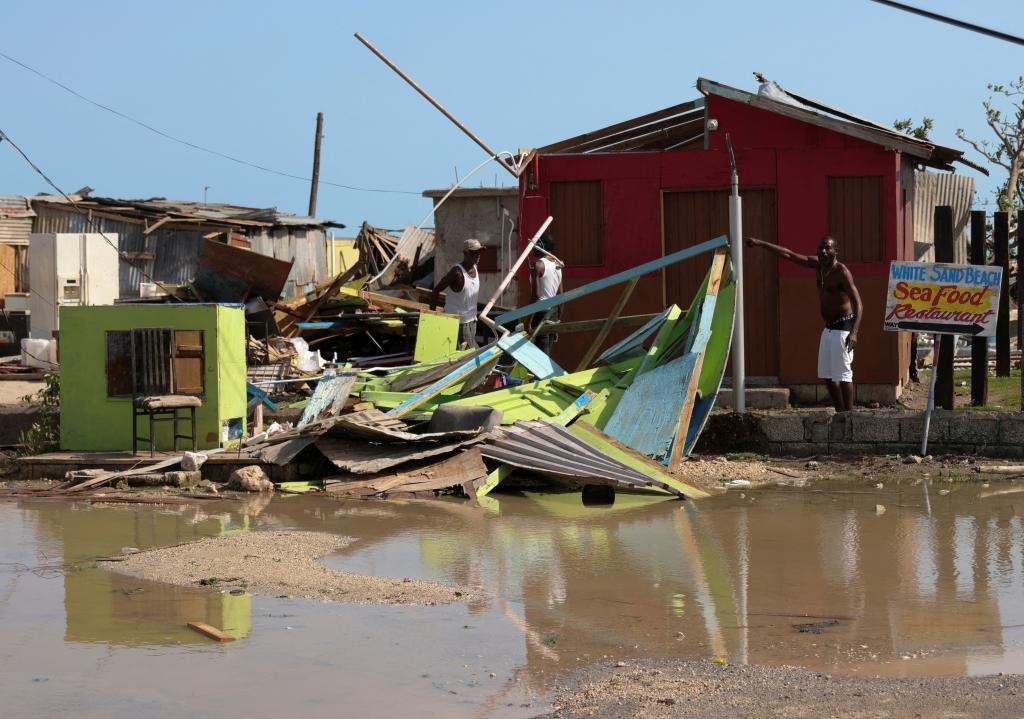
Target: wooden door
692, 217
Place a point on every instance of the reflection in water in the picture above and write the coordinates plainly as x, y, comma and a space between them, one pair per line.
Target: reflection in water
107, 607
915, 593
923, 588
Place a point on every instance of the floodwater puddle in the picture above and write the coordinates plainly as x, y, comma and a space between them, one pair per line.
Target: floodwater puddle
820, 577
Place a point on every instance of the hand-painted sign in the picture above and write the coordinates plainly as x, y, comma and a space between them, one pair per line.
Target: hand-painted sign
943, 298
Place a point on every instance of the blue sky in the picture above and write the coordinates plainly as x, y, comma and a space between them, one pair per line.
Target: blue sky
247, 79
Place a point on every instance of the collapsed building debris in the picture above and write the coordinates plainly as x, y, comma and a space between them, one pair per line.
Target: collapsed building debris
433, 419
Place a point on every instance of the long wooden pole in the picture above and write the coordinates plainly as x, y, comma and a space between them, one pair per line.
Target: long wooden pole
432, 101
314, 184
1001, 235
979, 345
942, 361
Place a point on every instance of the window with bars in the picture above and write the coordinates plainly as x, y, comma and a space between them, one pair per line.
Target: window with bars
166, 362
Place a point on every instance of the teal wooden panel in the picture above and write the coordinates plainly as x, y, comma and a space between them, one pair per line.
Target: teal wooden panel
530, 356
647, 416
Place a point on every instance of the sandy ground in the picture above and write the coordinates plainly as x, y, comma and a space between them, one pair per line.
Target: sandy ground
278, 564
11, 391
710, 691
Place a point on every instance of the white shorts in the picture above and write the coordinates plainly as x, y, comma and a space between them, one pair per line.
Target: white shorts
835, 362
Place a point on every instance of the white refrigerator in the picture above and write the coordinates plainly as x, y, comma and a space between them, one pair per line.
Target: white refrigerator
69, 269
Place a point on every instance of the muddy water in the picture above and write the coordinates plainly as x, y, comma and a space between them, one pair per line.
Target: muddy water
934, 585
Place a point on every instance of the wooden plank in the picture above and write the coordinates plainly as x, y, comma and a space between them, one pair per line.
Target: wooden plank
156, 225
530, 356
210, 631
494, 479
635, 340
451, 378
361, 457
567, 144
463, 468
613, 280
703, 334
561, 328
602, 335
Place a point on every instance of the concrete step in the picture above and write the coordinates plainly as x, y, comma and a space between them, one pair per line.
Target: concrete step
757, 398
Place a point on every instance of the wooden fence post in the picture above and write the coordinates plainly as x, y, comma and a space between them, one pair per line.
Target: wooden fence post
979, 345
1001, 235
943, 364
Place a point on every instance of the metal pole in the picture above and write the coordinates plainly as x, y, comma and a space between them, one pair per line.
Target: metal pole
485, 314
315, 182
432, 101
931, 395
739, 377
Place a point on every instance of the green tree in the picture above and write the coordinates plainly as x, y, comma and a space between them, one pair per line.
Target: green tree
908, 127
1004, 115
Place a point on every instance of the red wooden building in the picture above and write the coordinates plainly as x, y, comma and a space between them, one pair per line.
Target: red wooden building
626, 194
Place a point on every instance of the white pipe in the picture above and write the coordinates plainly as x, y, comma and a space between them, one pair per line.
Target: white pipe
508, 278
739, 376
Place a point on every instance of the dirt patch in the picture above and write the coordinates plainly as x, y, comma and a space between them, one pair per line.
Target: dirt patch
278, 564
711, 691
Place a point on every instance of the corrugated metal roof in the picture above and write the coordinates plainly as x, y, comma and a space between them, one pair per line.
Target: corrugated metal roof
158, 208
15, 220
170, 253
934, 189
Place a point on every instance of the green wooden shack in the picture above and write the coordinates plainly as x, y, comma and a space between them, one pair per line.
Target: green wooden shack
202, 356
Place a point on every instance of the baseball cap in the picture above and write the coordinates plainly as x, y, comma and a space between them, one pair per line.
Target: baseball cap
471, 245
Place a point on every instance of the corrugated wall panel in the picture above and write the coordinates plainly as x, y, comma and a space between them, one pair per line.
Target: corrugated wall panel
933, 189
15, 230
307, 248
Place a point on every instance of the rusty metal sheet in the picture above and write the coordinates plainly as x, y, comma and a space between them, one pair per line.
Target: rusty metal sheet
230, 274
361, 457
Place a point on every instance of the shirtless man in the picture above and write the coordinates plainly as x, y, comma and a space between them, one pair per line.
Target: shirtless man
841, 311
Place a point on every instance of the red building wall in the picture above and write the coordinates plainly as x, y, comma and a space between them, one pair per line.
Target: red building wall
772, 151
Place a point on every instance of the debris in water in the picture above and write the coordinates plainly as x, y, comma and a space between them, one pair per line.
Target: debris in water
815, 627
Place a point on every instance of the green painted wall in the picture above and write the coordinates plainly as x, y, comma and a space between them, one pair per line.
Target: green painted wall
437, 336
90, 420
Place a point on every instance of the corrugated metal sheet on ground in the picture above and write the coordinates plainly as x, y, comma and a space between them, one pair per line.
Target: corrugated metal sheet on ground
551, 450
934, 189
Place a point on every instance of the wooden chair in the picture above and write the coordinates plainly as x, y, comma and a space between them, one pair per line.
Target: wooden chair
153, 388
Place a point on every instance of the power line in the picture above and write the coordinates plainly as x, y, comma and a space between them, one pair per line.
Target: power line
193, 145
962, 24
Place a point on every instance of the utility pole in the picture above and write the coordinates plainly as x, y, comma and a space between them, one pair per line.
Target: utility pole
315, 181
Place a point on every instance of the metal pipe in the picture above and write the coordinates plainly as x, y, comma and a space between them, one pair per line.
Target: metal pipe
497, 330
432, 101
739, 376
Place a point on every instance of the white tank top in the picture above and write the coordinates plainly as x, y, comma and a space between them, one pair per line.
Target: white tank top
463, 303
550, 281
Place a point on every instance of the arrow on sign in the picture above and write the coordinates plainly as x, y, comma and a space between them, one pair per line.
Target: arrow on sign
941, 328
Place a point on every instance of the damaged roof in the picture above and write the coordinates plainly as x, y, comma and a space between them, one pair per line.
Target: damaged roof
159, 208
682, 127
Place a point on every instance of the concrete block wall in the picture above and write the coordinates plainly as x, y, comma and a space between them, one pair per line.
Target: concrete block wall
822, 431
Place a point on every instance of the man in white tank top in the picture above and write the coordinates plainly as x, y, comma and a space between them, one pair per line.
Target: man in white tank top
462, 290
547, 282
